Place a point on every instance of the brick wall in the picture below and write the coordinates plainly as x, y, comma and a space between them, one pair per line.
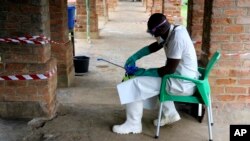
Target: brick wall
231, 34
112, 4
149, 5
81, 17
26, 98
171, 8
197, 24
156, 6
63, 51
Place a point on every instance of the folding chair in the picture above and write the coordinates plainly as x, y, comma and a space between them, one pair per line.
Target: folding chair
202, 96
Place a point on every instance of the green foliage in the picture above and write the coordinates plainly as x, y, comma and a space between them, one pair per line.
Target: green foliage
184, 9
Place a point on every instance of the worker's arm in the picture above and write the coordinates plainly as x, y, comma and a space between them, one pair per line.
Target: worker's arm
142, 52
155, 47
159, 72
169, 68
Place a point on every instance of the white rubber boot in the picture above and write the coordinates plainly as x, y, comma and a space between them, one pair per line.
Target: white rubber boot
170, 114
133, 124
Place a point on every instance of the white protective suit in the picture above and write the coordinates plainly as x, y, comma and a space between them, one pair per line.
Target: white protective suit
178, 46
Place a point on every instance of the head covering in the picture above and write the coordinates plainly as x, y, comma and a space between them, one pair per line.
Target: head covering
156, 21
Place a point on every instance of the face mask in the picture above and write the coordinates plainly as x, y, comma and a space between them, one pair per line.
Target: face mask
159, 39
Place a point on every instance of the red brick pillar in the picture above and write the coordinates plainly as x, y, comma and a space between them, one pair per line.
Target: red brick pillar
231, 34
197, 24
63, 51
101, 12
112, 4
81, 17
172, 9
156, 6
26, 98
149, 5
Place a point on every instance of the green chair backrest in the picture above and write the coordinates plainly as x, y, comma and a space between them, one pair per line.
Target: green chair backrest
204, 87
211, 64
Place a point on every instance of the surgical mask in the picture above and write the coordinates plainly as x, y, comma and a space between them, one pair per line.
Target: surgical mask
159, 39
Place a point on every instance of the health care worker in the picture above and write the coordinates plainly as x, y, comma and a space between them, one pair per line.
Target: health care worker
144, 88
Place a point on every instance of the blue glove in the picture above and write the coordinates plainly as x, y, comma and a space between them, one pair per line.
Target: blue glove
139, 54
130, 70
149, 72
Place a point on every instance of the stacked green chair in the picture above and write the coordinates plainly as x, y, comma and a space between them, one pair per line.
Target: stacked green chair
202, 96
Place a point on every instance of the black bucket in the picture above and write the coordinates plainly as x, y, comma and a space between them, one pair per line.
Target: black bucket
81, 64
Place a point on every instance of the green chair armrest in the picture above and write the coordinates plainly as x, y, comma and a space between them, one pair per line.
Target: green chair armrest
164, 94
165, 77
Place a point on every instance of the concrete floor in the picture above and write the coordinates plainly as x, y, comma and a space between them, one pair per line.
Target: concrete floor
89, 108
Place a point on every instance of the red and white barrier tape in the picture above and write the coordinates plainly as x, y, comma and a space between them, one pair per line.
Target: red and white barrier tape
224, 54
41, 40
196, 42
37, 40
29, 76
230, 54
236, 54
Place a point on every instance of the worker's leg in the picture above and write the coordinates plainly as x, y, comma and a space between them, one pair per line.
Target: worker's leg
132, 93
170, 114
133, 123
138, 89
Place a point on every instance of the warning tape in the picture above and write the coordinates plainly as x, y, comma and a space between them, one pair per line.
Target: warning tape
37, 40
236, 54
196, 42
224, 54
40, 39
29, 76
230, 54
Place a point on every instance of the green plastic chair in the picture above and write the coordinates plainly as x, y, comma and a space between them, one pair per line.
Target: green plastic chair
202, 96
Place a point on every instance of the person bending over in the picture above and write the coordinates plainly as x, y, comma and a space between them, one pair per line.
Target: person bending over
143, 90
